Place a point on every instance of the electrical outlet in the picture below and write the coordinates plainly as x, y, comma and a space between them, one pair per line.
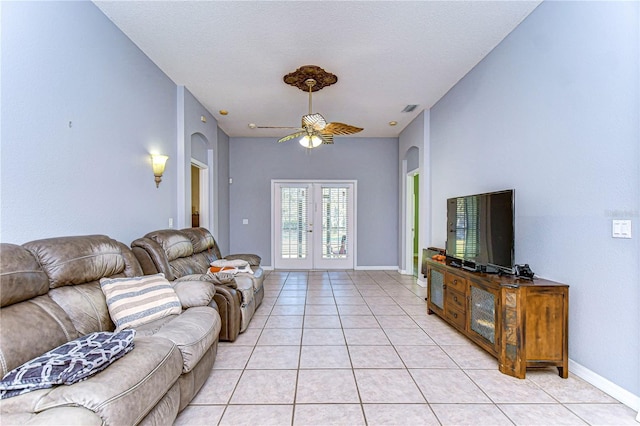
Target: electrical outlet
621, 228
170, 223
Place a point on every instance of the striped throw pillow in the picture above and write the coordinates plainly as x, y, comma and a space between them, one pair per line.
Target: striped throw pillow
139, 300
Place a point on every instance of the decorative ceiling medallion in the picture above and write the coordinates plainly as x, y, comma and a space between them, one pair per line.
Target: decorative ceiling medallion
299, 77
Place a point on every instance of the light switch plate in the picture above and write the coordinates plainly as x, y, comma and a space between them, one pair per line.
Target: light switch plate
245, 221
621, 228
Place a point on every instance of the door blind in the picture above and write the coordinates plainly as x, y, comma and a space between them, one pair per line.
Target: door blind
294, 223
335, 233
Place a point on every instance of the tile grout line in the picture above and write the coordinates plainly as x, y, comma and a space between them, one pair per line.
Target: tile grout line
383, 284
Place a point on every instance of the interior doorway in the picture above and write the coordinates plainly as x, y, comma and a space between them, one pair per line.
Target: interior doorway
412, 247
199, 194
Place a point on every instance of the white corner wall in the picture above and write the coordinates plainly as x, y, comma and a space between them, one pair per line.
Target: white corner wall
553, 112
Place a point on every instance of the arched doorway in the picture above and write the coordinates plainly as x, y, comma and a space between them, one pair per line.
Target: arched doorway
200, 179
411, 251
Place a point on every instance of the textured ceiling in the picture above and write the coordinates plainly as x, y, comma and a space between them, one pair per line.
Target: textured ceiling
232, 55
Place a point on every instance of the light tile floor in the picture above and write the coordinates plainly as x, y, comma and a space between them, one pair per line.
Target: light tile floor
357, 348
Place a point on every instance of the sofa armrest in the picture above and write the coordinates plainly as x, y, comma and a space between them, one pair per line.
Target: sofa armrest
151, 257
194, 331
253, 259
70, 416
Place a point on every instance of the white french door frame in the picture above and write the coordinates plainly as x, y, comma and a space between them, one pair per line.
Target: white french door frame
316, 262
410, 232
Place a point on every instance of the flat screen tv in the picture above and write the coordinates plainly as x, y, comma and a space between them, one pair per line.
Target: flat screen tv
480, 231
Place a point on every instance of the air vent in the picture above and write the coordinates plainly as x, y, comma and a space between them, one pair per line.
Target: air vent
409, 108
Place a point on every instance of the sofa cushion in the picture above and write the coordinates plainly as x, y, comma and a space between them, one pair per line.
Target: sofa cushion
139, 300
187, 266
79, 259
252, 259
194, 293
215, 279
85, 305
21, 277
174, 243
194, 332
203, 241
68, 363
31, 328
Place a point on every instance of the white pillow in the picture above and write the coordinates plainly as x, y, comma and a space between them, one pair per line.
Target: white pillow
240, 265
139, 300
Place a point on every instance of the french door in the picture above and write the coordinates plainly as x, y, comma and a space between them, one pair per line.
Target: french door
314, 224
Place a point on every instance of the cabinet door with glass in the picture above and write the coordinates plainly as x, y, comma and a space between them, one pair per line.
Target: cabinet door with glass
435, 290
483, 316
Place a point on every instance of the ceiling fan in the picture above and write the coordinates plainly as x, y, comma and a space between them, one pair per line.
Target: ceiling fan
314, 130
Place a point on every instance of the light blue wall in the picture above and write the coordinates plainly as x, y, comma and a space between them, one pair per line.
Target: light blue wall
416, 135
222, 235
66, 62
373, 162
554, 112
201, 135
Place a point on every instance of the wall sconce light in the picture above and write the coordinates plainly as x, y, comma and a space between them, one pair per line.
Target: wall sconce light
158, 162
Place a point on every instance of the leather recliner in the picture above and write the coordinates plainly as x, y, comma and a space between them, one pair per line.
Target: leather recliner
181, 254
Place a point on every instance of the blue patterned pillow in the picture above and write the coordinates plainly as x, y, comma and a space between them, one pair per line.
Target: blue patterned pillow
69, 363
139, 300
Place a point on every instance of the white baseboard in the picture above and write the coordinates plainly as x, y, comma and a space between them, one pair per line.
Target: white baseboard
376, 268
421, 282
356, 268
610, 388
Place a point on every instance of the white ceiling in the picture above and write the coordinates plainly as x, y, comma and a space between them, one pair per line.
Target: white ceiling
232, 55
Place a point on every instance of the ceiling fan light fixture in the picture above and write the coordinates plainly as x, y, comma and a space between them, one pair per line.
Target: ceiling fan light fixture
314, 129
310, 142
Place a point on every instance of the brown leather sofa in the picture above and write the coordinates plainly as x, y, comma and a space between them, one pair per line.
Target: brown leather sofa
187, 254
50, 294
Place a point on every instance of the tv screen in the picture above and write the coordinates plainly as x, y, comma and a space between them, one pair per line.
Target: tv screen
480, 230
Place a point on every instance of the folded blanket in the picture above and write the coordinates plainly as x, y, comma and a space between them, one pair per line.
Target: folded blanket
69, 363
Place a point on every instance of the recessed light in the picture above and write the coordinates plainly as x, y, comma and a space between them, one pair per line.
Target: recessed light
252, 125
393, 123
223, 112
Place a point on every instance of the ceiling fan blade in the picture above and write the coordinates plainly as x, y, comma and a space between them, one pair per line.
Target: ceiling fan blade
341, 129
316, 121
276, 127
292, 136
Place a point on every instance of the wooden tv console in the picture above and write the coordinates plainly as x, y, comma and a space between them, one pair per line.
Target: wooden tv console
523, 323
